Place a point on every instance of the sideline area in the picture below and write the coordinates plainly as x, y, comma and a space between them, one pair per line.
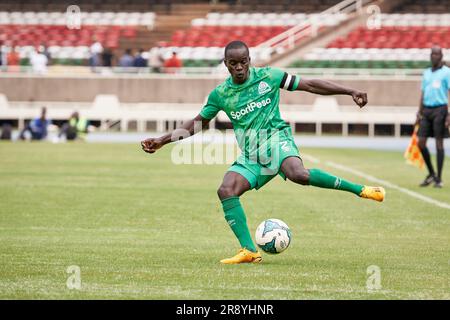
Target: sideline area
305, 141
358, 142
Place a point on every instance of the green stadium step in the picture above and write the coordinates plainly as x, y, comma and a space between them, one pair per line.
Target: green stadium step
200, 63
84, 62
347, 64
335, 64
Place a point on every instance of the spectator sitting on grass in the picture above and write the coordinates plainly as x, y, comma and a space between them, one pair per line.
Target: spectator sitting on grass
37, 127
75, 128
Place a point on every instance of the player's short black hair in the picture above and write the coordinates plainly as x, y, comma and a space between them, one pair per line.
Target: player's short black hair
236, 45
436, 48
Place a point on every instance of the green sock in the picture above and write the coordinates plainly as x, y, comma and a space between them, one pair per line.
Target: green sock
322, 179
235, 216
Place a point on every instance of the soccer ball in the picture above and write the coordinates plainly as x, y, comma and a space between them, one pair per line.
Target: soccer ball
273, 236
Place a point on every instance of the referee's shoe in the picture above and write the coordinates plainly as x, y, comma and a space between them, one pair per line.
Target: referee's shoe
428, 180
438, 183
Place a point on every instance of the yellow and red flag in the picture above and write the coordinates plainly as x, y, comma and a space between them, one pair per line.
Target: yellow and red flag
412, 154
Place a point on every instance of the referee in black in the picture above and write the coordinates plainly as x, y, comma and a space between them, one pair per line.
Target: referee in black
433, 117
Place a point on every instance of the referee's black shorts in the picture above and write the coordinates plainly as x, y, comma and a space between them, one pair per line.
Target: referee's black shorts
432, 123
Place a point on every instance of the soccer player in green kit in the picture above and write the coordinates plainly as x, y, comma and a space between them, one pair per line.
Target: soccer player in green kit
250, 98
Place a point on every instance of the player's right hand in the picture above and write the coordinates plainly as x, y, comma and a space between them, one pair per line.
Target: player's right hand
151, 145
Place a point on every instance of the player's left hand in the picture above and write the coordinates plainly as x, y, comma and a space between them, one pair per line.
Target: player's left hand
360, 98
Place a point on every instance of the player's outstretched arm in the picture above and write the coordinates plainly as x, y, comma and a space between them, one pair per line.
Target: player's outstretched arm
324, 87
188, 129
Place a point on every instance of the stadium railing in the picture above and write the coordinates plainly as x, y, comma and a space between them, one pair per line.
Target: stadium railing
76, 71
288, 39
108, 109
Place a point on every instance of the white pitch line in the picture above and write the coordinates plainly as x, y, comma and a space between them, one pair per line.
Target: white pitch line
310, 158
381, 182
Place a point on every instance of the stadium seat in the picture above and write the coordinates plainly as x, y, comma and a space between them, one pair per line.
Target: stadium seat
29, 29
403, 41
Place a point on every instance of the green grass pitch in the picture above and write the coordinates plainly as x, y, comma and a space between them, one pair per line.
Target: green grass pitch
140, 227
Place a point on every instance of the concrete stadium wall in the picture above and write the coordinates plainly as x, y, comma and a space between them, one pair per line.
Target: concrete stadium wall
381, 91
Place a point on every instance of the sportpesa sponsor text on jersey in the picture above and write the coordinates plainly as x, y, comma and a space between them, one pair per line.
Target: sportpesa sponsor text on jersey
253, 105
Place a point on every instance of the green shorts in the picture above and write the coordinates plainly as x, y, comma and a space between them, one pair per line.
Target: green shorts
258, 172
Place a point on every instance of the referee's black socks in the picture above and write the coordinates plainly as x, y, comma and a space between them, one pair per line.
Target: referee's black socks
440, 162
427, 159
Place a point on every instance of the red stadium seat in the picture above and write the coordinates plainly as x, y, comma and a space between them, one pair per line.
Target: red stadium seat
56, 35
219, 36
395, 37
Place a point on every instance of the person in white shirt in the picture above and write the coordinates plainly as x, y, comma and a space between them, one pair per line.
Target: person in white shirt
3, 55
96, 50
156, 60
39, 62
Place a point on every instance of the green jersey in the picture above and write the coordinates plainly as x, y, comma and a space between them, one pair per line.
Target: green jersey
252, 107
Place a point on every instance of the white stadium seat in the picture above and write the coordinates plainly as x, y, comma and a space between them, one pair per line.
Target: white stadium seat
90, 18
